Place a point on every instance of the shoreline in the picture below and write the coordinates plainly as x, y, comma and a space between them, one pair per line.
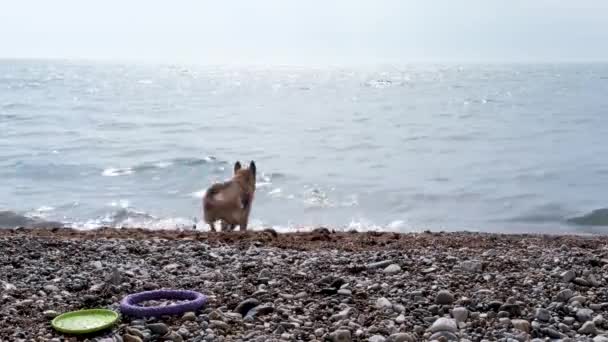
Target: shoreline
311, 239
319, 285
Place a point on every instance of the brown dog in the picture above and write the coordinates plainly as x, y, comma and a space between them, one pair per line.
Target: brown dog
231, 201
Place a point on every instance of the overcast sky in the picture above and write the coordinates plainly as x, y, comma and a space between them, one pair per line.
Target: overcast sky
307, 31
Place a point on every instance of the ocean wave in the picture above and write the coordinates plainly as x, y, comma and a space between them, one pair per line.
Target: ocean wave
14, 105
162, 164
598, 217
379, 84
11, 219
114, 172
315, 198
40, 213
131, 218
548, 213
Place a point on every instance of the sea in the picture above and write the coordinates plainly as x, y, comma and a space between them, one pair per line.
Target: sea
506, 148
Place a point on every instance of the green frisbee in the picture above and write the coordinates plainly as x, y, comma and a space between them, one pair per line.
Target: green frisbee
84, 321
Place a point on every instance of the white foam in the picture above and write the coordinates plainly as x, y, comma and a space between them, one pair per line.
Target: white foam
275, 193
40, 213
163, 165
45, 209
351, 201
114, 172
122, 203
262, 184
199, 194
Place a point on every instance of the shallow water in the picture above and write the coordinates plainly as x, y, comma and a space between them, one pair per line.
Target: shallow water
502, 148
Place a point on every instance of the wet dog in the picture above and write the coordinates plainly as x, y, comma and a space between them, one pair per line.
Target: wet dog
230, 202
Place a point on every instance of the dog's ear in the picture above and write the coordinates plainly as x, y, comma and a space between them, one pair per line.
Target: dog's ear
237, 166
252, 168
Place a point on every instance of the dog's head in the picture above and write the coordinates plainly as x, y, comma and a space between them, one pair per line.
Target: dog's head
247, 175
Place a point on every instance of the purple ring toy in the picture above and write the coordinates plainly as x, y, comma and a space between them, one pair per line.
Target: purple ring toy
129, 304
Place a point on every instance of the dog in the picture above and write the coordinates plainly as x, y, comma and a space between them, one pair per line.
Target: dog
230, 202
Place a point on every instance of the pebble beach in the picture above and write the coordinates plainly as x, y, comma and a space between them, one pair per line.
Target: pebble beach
310, 286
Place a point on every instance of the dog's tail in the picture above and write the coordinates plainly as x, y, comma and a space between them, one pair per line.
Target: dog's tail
210, 198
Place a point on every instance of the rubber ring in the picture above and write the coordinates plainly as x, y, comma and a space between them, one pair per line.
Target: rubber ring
129, 304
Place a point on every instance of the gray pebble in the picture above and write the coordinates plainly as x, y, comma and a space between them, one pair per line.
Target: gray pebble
568, 276
341, 335
377, 338
444, 324
460, 314
158, 328
131, 338
444, 297
392, 268
588, 328
542, 314
400, 337
584, 315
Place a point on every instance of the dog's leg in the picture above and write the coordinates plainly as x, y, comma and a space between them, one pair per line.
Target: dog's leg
243, 224
225, 226
211, 225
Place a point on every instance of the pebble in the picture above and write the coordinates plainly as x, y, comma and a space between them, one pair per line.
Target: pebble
599, 320
189, 316
345, 292
593, 280
8, 287
173, 336
444, 324
564, 295
400, 337
460, 314
568, 276
341, 335
550, 332
50, 314
542, 315
392, 268
581, 281
600, 338
134, 332
443, 336
51, 288
444, 297
341, 315
171, 267
472, 266
579, 299
216, 315
383, 303
260, 310
131, 338
584, 315
377, 338
521, 324
158, 328
218, 324
588, 328
246, 305
379, 264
